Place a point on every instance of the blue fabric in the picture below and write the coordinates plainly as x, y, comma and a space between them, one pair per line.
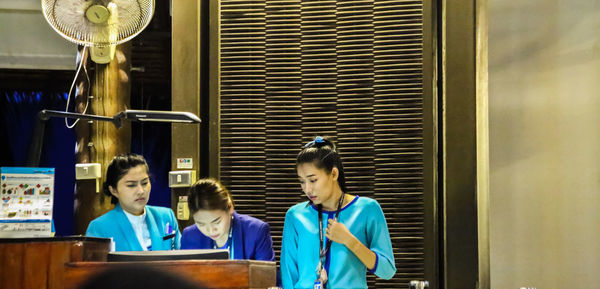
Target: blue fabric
115, 224
300, 248
251, 239
18, 116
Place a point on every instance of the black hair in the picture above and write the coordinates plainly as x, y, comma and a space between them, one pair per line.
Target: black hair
117, 168
209, 194
324, 155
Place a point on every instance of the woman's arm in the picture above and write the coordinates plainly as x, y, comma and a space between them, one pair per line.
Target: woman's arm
289, 253
379, 241
175, 228
264, 244
338, 232
377, 255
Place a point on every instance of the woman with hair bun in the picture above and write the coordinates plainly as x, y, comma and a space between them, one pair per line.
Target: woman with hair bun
218, 226
334, 238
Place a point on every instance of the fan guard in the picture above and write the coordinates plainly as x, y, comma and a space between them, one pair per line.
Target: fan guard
98, 23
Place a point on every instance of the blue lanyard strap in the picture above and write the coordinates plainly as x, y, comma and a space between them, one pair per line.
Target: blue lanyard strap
231, 250
323, 251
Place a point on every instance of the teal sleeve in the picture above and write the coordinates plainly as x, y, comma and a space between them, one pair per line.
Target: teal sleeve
176, 229
289, 253
380, 243
92, 230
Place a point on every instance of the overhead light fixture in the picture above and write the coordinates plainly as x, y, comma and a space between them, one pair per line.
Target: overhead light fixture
35, 149
128, 114
160, 116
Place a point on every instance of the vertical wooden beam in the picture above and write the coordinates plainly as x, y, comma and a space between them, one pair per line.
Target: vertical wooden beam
465, 144
483, 151
430, 142
99, 142
187, 40
214, 99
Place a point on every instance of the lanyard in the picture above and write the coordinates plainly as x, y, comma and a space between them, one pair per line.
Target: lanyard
323, 251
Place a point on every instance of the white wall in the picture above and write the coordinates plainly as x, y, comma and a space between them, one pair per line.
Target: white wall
27, 41
544, 99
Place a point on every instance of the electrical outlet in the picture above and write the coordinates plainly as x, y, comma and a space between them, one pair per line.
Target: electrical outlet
183, 212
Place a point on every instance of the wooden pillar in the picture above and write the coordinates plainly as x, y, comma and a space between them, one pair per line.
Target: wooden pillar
188, 86
99, 142
465, 145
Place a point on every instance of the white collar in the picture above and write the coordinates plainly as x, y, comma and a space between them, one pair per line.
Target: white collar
134, 218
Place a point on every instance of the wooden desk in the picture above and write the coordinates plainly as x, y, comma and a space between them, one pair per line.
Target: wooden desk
209, 273
66, 262
39, 263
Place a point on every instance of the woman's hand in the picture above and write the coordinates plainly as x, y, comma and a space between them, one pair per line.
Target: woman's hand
338, 232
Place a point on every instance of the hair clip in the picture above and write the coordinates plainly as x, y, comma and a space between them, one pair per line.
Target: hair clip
318, 139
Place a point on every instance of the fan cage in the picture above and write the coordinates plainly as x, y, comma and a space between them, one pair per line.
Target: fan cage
67, 18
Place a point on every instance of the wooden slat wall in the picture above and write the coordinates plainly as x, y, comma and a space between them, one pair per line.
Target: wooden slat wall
243, 131
350, 70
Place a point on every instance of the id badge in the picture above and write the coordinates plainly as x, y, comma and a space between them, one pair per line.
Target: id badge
318, 285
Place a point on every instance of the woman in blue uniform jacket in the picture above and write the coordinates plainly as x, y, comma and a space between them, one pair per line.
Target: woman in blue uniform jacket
218, 226
133, 225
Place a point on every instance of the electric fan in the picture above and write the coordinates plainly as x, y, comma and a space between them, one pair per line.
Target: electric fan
99, 24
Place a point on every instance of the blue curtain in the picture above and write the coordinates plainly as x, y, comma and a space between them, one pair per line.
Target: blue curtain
19, 115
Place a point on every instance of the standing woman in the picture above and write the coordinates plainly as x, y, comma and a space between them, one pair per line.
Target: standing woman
332, 240
218, 226
133, 225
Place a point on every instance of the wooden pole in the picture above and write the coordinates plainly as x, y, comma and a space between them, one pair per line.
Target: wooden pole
99, 142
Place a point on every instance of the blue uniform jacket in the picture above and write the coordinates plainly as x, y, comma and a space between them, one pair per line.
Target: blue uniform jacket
114, 224
251, 239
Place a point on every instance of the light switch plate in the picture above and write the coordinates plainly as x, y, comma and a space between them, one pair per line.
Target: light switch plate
88, 171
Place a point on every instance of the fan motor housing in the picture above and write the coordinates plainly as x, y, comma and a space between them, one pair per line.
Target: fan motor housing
97, 14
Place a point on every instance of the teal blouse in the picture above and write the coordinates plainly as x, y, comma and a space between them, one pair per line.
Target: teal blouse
300, 248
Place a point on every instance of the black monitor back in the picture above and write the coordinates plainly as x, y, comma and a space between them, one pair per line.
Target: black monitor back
167, 255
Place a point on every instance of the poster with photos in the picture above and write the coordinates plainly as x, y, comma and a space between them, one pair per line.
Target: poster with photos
26, 201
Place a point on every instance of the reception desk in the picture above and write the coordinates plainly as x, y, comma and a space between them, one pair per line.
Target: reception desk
66, 262
40, 262
208, 273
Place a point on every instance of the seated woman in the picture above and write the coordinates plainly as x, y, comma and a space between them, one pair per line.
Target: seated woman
133, 225
218, 226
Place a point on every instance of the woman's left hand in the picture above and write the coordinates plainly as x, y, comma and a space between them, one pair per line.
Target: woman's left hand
338, 232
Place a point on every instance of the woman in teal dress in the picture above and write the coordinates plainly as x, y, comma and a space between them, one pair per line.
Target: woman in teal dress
132, 224
342, 236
